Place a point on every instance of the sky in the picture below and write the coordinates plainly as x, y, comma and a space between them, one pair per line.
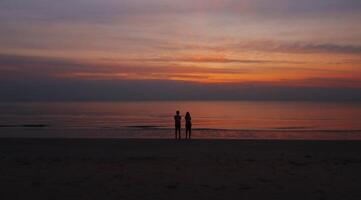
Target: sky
189, 49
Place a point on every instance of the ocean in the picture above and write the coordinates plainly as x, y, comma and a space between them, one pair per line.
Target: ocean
211, 119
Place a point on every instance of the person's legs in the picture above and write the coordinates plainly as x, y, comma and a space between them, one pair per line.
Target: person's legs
190, 132
175, 132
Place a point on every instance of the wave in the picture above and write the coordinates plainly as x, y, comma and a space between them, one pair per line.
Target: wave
162, 128
25, 126
276, 129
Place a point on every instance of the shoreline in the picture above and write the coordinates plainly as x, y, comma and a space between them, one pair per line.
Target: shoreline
135, 133
155, 139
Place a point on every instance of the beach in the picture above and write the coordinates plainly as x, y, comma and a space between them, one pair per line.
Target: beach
170, 169
93, 95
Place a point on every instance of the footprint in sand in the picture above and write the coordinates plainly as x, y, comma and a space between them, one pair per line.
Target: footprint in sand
222, 187
264, 180
245, 187
172, 186
205, 186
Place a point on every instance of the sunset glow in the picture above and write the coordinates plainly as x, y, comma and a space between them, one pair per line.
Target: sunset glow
283, 42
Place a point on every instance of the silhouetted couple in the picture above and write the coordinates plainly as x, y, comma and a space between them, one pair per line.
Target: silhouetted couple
178, 124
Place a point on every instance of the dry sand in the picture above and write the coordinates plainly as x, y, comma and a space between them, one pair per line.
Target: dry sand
168, 169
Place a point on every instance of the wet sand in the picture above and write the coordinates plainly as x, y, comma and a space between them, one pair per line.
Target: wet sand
168, 169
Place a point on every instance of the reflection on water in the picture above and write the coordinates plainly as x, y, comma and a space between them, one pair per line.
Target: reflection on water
240, 115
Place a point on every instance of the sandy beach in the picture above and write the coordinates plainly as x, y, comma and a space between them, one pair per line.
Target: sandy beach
169, 169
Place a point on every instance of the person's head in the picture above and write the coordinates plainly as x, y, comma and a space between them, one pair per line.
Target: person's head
177, 112
188, 114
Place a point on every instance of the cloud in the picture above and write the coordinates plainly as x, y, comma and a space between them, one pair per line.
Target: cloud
317, 82
211, 59
179, 43
297, 47
34, 67
113, 90
26, 78
103, 10
237, 45
144, 27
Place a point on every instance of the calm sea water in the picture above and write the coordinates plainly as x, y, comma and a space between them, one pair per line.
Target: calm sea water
211, 119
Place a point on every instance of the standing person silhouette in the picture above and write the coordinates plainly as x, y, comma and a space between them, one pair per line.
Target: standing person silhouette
177, 124
188, 119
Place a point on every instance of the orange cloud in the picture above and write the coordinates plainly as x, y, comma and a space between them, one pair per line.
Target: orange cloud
210, 70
